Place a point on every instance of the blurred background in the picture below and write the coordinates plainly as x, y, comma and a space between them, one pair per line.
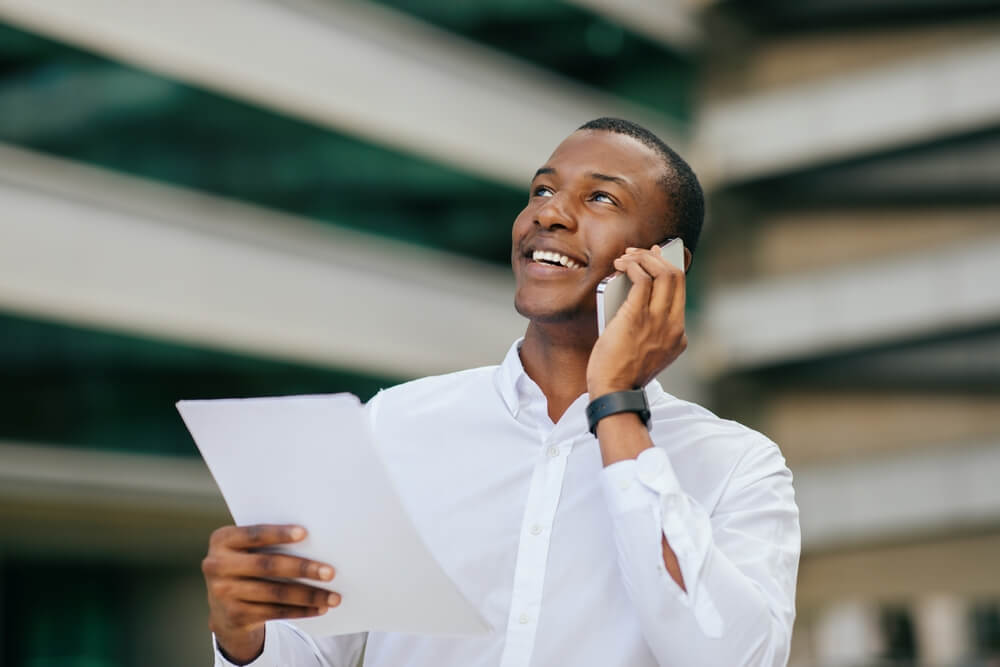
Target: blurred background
259, 197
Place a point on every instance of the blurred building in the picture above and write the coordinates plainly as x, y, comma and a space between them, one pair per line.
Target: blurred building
257, 197
853, 306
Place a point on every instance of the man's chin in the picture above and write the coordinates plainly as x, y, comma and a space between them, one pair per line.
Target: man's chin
553, 313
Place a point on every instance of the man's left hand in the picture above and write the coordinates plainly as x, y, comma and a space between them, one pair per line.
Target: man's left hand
647, 333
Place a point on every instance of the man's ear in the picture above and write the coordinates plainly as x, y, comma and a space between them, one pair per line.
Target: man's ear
687, 259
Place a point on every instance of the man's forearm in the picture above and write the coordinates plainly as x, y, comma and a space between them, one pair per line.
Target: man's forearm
623, 436
739, 569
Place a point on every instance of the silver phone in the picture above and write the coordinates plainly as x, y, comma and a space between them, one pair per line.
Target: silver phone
613, 290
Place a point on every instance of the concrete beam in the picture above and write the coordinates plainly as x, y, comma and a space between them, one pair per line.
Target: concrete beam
943, 93
928, 493
349, 66
822, 426
73, 476
818, 313
93, 248
69, 502
795, 241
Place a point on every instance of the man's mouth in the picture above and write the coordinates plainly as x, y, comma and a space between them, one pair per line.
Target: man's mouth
554, 259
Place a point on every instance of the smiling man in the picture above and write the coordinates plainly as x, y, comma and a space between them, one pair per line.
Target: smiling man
591, 517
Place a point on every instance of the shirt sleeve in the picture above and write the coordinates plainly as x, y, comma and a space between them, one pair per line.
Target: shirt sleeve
287, 646
738, 562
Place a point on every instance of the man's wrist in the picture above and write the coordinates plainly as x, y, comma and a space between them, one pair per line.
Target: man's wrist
622, 436
244, 650
621, 422
631, 400
598, 388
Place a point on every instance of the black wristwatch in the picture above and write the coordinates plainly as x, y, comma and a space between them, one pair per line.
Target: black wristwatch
618, 401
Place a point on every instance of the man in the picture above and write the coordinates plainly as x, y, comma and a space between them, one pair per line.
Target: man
667, 537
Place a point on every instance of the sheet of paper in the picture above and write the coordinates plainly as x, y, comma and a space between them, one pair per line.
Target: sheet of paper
310, 460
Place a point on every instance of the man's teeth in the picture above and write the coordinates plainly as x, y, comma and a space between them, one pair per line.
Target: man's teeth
554, 258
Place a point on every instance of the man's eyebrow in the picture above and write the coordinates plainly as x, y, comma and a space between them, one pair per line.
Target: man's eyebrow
615, 179
543, 170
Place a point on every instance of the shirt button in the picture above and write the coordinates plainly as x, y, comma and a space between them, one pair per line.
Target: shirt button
624, 483
523, 619
553, 452
536, 530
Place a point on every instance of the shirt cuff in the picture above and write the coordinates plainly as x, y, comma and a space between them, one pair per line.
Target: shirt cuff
628, 484
268, 657
649, 483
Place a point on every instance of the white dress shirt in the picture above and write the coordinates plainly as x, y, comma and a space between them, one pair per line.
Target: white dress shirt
563, 556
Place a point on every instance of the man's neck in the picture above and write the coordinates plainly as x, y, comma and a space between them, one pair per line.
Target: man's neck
555, 356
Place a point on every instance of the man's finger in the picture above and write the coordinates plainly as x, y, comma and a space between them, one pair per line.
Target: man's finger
652, 261
622, 262
282, 593
642, 286
267, 565
668, 284
258, 535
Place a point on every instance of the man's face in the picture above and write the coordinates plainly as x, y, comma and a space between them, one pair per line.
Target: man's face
596, 195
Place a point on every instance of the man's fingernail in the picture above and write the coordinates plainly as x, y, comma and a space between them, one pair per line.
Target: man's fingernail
297, 533
333, 599
326, 572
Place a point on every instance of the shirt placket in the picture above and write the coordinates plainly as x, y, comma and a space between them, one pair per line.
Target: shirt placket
533, 550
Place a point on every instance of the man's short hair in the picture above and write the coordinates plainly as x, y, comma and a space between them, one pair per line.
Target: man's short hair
679, 182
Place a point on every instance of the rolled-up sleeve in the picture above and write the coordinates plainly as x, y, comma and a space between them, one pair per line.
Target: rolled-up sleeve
738, 559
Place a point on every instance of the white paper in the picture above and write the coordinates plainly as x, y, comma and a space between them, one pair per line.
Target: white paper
311, 461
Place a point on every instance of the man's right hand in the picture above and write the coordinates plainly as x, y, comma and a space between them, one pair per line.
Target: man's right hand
247, 588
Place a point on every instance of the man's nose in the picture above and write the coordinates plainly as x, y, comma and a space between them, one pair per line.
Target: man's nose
555, 213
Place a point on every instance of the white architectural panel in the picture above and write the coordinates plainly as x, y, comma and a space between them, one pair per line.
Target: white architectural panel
847, 634
943, 627
75, 475
85, 246
798, 316
350, 66
936, 95
924, 492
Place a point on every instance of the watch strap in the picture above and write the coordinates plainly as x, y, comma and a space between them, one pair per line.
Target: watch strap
633, 400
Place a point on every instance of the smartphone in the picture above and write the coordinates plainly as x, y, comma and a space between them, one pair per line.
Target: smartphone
613, 290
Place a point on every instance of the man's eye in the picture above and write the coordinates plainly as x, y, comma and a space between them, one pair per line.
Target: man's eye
541, 191
603, 197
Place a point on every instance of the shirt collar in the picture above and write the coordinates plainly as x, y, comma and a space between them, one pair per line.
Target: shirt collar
507, 376
509, 380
